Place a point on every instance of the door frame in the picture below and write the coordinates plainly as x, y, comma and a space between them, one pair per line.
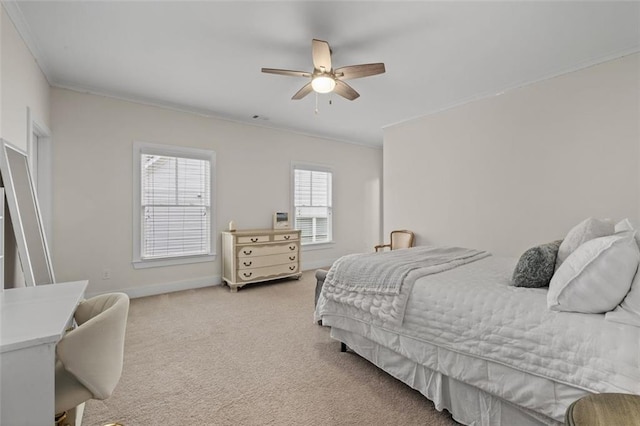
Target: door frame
41, 149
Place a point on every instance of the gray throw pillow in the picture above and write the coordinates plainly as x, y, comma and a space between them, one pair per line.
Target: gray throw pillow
536, 266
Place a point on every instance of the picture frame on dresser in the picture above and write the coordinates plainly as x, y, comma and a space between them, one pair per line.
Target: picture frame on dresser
281, 220
24, 212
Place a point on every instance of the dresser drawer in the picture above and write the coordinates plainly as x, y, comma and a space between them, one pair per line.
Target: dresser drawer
252, 251
286, 237
261, 261
267, 271
253, 239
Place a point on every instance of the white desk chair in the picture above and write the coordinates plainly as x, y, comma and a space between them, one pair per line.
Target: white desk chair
89, 357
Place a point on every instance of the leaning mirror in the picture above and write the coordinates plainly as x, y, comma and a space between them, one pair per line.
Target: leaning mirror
25, 216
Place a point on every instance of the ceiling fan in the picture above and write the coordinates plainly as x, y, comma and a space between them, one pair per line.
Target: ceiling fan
324, 78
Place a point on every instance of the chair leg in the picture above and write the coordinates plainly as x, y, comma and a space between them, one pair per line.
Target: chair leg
60, 418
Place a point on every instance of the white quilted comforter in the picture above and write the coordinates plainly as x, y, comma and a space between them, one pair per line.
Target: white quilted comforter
472, 310
390, 277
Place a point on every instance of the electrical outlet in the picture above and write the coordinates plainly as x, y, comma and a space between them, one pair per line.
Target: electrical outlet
106, 274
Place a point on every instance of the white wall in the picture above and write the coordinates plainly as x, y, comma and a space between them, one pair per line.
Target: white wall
22, 85
92, 187
508, 172
2, 13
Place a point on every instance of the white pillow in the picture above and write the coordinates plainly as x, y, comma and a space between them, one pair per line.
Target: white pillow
586, 230
628, 312
595, 277
624, 225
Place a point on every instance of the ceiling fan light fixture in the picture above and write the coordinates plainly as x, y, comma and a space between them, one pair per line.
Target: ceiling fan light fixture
324, 78
323, 84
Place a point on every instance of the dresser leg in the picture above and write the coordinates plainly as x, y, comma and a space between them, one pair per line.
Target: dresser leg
233, 288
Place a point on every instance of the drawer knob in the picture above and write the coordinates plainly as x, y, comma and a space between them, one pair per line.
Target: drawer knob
292, 247
254, 240
247, 252
247, 263
247, 274
292, 258
292, 268
286, 237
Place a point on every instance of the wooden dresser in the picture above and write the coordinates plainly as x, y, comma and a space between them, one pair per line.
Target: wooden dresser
251, 256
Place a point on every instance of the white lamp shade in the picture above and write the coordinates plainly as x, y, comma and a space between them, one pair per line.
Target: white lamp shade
323, 84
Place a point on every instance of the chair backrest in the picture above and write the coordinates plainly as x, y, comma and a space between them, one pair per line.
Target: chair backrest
401, 239
93, 352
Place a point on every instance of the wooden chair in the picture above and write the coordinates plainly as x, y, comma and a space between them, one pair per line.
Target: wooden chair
399, 239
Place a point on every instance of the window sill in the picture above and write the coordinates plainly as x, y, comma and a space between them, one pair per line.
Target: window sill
170, 261
318, 246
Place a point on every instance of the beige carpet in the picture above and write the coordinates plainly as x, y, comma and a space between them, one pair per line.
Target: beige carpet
211, 357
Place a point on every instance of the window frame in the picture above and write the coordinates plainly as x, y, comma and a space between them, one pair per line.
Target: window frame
314, 168
140, 148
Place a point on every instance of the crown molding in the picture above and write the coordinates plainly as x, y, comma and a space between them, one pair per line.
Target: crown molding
12, 8
140, 100
618, 54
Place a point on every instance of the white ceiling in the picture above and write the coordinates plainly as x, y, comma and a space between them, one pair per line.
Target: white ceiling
206, 56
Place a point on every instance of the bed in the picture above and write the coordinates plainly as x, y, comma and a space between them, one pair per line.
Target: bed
475, 345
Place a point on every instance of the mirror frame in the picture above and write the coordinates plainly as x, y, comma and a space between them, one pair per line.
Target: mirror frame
7, 170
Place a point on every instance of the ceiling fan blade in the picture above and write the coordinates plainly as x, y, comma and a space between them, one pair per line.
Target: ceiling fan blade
306, 89
286, 72
321, 55
346, 91
359, 71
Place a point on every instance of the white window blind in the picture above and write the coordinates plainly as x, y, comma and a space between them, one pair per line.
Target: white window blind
312, 204
175, 206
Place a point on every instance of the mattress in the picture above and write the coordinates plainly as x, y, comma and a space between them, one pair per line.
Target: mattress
471, 325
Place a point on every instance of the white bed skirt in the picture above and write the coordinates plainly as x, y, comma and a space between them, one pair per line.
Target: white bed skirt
468, 404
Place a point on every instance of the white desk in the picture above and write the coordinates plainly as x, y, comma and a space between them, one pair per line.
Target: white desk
32, 321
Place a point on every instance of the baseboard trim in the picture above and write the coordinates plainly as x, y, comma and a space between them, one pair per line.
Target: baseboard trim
155, 289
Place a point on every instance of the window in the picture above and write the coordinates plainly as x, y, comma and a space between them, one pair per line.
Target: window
312, 203
173, 205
